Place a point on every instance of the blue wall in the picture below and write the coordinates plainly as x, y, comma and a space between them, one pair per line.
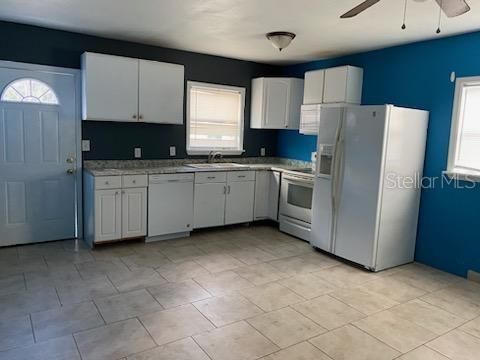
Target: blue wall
418, 76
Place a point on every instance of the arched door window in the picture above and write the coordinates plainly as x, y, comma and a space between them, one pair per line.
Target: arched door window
29, 91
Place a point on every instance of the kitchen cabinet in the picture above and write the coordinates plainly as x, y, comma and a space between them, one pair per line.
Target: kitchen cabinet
313, 89
267, 190
116, 88
170, 205
161, 88
223, 198
108, 213
276, 103
343, 84
114, 208
109, 87
134, 212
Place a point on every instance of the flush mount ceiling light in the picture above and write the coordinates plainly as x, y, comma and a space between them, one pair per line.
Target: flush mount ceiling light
280, 39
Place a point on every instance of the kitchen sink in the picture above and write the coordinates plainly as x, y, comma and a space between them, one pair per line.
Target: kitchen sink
215, 165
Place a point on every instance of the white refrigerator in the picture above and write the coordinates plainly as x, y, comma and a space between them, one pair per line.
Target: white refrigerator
365, 206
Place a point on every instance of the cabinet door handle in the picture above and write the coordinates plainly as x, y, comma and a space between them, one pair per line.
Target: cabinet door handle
224, 189
211, 177
140, 117
134, 116
229, 189
116, 192
242, 176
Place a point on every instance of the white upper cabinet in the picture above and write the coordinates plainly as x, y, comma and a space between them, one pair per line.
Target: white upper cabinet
161, 92
276, 103
343, 85
110, 87
117, 88
313, 90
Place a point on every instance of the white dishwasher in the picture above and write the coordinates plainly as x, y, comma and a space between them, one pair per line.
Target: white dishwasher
170, 206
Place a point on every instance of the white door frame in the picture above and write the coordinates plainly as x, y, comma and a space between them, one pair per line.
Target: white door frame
76, 73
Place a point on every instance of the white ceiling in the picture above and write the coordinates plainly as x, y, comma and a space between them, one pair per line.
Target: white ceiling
236, 28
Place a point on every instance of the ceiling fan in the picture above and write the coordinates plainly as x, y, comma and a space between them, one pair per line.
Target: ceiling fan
451, 8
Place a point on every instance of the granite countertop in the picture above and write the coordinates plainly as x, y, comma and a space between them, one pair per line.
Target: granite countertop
145, 167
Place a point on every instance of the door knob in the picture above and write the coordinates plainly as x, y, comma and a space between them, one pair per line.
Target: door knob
70, 171
70, 160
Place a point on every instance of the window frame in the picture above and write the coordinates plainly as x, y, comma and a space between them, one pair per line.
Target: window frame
30, 79
224, 151
453, 170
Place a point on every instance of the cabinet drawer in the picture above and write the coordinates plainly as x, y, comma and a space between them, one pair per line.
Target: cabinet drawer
236, 176
134, 181
170, 178
210, 177
108, 182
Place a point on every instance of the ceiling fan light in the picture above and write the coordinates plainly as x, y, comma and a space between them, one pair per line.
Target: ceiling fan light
280, 39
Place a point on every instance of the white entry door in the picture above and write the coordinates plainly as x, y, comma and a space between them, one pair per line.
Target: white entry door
37, 156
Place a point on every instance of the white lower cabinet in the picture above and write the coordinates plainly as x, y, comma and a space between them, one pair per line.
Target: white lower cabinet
209, 205
113, 211
134, 212
267, 192
223, 198
239, 202
108, 215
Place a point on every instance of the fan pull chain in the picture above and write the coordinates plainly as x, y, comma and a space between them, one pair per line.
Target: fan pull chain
440, 18
404, 26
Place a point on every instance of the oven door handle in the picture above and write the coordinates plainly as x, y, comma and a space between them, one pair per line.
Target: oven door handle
292, 180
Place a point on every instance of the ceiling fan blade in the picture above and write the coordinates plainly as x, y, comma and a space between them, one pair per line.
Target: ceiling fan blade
359, 8
453, 8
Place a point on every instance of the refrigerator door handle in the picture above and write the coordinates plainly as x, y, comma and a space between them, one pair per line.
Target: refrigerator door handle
338, 155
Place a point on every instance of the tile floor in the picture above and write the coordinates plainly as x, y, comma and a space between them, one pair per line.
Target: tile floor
237, 293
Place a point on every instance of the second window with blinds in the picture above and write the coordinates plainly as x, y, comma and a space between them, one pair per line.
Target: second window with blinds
215, 118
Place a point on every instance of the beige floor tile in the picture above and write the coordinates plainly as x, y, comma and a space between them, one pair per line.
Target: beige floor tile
260, 274
12, 284
271, 296
286, 327
179, 293
252, 255
238, 341
218, 263
451, 300
308, 286
457, 345
428, 316
364, 301
222, 283
345, 276
425, 278
423, 353
393, 289
227, 309
185, 349
43, 279
67, 257
17, 266
63, 348
303, 264
280, 251
127, 305
472, 327
401, 334
114, 341
85, 290
175, 272
351, 343
94, 269
174, 324
151, 260
15, 332
328, 312
66, 320
183, 253
302, 351
17, 304
136, 279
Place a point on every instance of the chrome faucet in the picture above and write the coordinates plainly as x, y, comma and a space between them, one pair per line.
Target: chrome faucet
212, 155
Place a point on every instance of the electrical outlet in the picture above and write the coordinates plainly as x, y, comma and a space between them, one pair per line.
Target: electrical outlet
85, 145
173, 151
137, 153
262, 151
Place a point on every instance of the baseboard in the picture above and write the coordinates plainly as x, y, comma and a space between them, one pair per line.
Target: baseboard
167, 237
473, 276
